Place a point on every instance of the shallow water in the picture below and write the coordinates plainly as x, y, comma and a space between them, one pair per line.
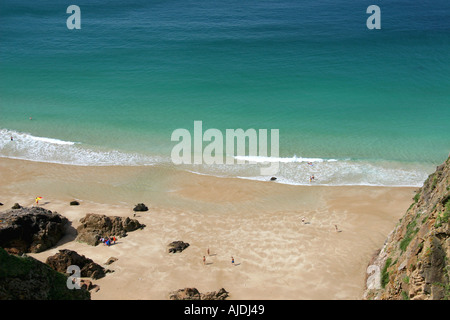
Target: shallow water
112, 93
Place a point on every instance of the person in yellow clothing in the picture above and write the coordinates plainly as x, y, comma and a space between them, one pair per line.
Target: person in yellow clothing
37, 200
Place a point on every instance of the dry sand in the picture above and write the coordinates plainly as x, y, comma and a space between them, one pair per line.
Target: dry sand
277, 257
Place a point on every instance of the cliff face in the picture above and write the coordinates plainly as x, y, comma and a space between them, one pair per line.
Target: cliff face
414, 261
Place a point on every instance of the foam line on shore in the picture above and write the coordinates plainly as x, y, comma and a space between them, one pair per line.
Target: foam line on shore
25, 146
293, 170
261, 159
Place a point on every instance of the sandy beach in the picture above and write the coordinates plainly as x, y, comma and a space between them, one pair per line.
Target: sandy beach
258, 223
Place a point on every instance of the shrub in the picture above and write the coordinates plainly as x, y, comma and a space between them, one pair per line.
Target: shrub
385, 274
433, 184
411, 231
405, 295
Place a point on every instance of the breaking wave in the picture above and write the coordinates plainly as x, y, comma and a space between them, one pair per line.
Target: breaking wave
43, 149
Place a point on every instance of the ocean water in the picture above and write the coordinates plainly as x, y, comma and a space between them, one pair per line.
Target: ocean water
353, 106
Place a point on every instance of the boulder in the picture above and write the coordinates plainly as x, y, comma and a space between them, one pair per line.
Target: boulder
16, 206
90, 237
74, 203
222, 294
32, 229
140, 207
194, 294
95, 226
177, 246
185, 294
111, 260
62, 260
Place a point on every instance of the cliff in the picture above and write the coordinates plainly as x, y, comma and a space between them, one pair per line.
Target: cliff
414, 261
25, 278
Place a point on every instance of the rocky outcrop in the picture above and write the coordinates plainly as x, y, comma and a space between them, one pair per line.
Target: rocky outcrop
64, 258
25, 278
177, 246
32, 229
222, 294
95, 226
414, 261
194, 294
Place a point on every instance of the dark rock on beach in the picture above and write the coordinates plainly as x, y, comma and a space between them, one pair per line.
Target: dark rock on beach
32, 229
140, 207
177, 246
74, 203
111, 260
185, 294
64, 258
95, 226
16, 206
194, 294
222, 294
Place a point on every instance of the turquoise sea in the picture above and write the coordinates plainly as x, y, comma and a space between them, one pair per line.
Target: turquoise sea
364, 107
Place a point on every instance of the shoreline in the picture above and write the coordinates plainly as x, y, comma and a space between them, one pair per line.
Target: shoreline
258, 223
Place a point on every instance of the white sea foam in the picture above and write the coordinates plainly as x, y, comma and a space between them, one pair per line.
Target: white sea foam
28, 147
327, 172
261, 159
53, 141
293, 170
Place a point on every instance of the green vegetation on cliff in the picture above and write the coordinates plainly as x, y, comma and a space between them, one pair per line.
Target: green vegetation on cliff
29, 279
414, 262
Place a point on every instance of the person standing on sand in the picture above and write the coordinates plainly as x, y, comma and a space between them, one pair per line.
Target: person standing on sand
204, 260
232, 261
207, 251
